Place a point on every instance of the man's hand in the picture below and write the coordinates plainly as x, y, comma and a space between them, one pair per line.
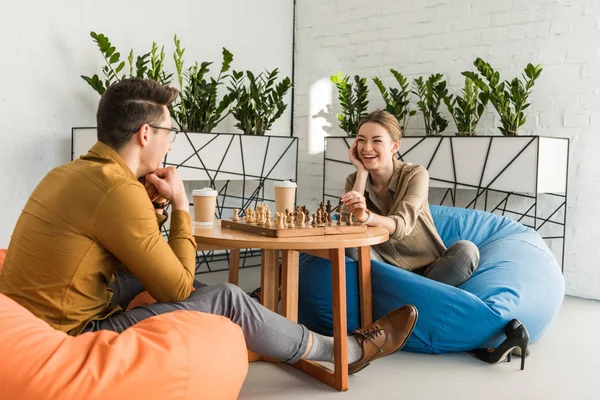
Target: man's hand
168, 184
357, 204
153, 194
151, 191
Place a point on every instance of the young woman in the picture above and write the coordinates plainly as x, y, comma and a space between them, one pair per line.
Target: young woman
392, 194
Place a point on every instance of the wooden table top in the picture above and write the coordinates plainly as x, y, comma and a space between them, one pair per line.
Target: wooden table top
225, 238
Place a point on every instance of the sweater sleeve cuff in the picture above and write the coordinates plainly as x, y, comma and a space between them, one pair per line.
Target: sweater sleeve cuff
181, 222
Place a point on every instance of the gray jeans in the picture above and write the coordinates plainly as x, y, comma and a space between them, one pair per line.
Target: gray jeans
453, 268
267, 333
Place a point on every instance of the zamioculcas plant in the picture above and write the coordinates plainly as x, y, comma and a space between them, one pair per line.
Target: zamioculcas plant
509, 98
468, 109
431, 93
198, 108
114, 65
353, 101
396, 100
259, 102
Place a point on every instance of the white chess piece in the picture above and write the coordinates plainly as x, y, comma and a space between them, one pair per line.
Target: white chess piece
281, 223
260, 219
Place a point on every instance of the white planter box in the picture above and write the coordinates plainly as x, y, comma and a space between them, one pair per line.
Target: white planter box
476, 172
219, 156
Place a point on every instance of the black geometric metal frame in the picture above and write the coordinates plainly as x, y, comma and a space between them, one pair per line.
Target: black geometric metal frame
253, 186
482, 191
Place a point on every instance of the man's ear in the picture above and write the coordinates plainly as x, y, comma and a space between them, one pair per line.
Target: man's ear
143, 135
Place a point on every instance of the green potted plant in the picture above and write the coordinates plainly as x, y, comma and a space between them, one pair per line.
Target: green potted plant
353, 101
198, 108
396, 99
259, 100
149, 65
509, 98
468, 109
431, 94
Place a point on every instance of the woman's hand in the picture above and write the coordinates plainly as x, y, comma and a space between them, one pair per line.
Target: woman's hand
356, 203
355, 159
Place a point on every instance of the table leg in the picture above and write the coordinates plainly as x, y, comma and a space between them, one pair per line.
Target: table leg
338, 378
269, 277
269, 284
289, 284
234, 266
366, 291
340, 327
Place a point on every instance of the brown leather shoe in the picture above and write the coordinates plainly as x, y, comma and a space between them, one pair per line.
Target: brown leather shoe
384, 336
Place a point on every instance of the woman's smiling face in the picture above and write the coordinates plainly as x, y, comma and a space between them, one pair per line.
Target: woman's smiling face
375, 146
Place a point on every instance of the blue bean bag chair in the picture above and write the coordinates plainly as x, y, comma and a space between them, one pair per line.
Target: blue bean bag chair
518, 277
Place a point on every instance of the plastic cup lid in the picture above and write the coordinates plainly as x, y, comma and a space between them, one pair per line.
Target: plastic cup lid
285, 184
205, 192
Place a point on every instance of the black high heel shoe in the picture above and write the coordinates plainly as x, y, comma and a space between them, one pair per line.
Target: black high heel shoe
516, 336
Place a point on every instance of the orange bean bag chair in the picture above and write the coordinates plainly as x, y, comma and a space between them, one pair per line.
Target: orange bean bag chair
179, 355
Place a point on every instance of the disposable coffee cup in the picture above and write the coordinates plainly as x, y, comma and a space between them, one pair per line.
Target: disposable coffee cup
205, 202
285, 193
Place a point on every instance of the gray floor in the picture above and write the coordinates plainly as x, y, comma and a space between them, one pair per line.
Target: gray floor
564, 364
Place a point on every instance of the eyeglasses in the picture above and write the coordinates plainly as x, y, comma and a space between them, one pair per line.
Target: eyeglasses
171, 136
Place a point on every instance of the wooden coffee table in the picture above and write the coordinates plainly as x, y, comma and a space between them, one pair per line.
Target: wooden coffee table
331, 247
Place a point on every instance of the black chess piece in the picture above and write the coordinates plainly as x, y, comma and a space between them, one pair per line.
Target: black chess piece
328, 207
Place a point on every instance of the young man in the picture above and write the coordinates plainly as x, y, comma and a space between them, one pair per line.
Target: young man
88, 241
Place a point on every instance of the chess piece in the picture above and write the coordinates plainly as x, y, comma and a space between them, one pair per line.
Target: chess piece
349, 222
319, 216
328, 207
329, 220
251, 216
321, 206
339, 219
268, 222
236, 217
268, 210
260, 220
314, 220
300, 220
279, 220
290, 220
339, 206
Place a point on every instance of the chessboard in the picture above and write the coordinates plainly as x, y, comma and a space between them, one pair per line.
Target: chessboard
293, 224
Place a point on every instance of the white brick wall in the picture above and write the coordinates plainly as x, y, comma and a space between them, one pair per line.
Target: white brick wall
420, 37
